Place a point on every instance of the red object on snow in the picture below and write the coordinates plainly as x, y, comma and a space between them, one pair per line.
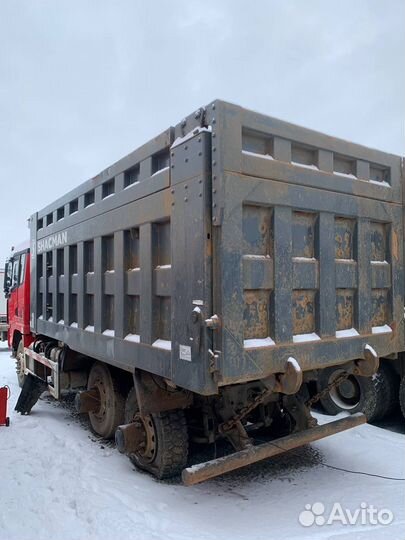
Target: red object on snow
4, 395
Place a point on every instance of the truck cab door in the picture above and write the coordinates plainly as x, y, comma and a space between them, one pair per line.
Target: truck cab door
21, 287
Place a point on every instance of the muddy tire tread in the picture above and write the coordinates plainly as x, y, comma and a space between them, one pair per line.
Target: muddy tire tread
172, 440
173, 456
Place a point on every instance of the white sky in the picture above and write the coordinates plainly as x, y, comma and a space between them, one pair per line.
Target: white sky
84, 82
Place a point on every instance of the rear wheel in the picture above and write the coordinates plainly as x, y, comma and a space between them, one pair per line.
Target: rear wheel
374, 396
19, 363
110, 413
164, 451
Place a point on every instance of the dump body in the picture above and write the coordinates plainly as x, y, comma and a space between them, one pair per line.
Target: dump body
292, 239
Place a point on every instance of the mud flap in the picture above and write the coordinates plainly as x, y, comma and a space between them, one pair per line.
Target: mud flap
32, 388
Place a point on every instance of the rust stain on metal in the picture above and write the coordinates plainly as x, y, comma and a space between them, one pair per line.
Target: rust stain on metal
379, 304
256, 314
303, 311
344, 309
378, 238
257, 230
395, 245
344, 229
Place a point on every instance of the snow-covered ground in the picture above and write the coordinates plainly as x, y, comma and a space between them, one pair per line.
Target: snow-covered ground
59, 481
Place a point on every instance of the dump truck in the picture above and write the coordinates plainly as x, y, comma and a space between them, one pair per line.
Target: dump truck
191, 290
3, 311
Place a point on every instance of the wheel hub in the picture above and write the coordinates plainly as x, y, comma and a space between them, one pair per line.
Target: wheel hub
347, 394
101, 411
347, 389
147, 449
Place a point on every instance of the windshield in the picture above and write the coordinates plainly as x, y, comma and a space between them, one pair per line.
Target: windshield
15, 273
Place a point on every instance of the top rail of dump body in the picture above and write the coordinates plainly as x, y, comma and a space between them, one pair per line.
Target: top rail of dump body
307, 250
242, 134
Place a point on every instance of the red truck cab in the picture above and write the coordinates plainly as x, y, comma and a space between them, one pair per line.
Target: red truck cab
3, 312
17, 292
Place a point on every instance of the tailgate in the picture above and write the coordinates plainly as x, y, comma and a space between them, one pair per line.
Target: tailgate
308, 247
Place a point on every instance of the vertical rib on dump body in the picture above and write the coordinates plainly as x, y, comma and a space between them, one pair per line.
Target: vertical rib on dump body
292, 238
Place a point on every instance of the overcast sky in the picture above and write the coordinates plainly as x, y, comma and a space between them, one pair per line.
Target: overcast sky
84, 82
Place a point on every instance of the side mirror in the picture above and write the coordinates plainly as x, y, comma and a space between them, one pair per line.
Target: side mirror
7, 278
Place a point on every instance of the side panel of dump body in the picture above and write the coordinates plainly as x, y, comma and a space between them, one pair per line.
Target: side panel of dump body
308, 256
121, 266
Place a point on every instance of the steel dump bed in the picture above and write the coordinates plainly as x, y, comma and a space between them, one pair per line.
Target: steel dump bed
223, 247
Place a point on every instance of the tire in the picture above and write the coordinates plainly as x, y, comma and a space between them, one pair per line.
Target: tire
402, 395
112, 403
166, 450
18, 361
375, 396
392, 397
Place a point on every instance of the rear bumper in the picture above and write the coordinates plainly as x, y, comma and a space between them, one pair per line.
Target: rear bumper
210, 469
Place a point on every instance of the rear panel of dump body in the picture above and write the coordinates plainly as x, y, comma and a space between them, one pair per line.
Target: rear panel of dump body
308, 252
122, 267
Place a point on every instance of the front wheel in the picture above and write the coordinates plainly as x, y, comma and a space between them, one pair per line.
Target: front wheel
375, 396
164, 450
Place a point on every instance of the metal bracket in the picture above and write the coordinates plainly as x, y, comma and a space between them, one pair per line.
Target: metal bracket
153, 395
53, 366
288, 382
213, 323
367, 366
214, 360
